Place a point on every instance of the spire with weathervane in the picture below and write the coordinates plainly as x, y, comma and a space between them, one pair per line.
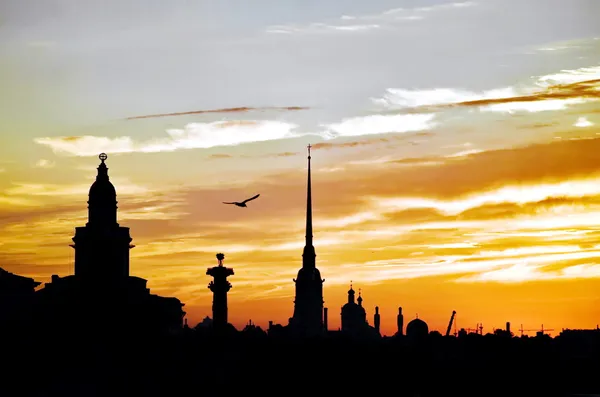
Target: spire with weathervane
308, 304
309, 255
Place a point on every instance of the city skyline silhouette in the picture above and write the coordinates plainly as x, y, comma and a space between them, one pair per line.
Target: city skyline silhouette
454, 152
109, 333
101, 266
333, 197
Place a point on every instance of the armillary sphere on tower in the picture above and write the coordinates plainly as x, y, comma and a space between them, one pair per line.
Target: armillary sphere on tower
102, 157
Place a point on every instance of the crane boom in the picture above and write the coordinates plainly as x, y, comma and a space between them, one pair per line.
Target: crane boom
450, 323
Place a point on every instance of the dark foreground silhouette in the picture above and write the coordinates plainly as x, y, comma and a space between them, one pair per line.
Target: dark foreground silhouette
101, 332
112, 362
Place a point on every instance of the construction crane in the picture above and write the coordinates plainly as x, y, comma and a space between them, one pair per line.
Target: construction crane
450, 323
521, 330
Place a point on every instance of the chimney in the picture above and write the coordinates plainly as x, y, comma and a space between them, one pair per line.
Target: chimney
325, 323
508, 327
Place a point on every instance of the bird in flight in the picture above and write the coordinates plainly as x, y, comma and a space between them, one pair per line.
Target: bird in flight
243, 203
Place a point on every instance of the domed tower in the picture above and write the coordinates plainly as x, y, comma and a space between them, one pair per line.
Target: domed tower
102, 203
417, 329
354, 316
308, 305
102, 246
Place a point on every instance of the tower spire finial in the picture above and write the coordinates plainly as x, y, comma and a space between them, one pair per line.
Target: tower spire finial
309, 255
309, 231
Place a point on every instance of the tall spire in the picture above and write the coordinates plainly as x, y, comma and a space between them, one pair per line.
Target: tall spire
309, 255
309, 231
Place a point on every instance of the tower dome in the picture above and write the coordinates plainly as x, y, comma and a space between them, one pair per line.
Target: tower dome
417, 328
102, 204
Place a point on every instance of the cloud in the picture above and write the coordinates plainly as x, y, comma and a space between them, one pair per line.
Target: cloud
225, 110
583, 122
233, 133
523, 272
506, 194
386, 140
379, 124
43, 163
228, 156
546, 93
348, 23
124, 187
220, 156
320, 28
192, 136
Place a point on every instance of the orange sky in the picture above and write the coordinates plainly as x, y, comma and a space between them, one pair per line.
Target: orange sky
483, 199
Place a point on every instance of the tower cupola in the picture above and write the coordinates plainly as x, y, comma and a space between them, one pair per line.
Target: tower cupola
102, 203
351, 294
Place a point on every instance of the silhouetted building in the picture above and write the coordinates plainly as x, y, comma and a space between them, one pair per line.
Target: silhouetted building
101, 293
325, 319
219, 286
16, 295
417, 329
400, 322
354, 317
102, 245
377, 320
308, 304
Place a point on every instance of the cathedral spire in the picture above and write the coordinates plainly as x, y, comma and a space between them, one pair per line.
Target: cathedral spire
308, 256
309, 231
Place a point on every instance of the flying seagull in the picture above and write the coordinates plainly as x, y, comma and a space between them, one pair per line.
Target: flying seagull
243, 203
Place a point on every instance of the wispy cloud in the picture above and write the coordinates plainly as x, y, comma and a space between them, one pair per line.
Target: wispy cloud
583, 122
37, 189
380, 124
319, 28
225, 110
43, 163
551, 92
192, 136
523, 272
235, 132
349, 23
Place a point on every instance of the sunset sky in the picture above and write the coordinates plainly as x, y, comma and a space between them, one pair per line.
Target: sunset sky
456, 157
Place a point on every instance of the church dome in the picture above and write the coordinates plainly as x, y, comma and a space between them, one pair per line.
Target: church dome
102, 204
417, 328
102, 189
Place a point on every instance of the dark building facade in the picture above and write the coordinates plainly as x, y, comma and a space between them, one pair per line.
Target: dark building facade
308, 304
101, 293
16, 296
